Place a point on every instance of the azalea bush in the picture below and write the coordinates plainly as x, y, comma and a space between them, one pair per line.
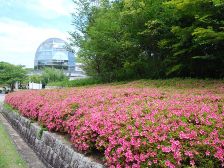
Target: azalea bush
133, 126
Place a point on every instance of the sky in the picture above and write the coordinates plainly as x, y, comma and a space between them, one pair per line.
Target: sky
25, 24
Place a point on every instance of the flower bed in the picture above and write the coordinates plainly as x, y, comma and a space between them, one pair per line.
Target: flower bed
134, 127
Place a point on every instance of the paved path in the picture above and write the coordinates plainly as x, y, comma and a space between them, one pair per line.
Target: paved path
2, 97
26, 152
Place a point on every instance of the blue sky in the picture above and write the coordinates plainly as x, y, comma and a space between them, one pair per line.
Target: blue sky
24, 24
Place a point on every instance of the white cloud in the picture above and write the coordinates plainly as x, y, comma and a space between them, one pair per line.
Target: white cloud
19, 40
48, 9
51, 8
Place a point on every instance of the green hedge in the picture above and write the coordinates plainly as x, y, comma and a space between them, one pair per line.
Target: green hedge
77, 82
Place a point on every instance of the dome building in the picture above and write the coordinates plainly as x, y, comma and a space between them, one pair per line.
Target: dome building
52, 53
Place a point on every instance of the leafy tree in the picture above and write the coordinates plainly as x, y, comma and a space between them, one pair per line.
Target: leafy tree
82, 17
53, 75
197, 48
129, 39
144, 22
36, 78
9, 74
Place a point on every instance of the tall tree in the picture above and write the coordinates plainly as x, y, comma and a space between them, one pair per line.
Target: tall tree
126, 39
197, 48
52, 75
9, 74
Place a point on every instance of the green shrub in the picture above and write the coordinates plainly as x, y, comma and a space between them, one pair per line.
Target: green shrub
77, 82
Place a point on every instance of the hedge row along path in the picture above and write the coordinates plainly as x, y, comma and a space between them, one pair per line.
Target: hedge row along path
133, 126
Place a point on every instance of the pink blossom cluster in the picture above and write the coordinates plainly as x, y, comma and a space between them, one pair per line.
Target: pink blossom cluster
134, 127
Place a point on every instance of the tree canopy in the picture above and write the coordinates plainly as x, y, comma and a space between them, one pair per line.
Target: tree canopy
10, 73
51, 75
126, 39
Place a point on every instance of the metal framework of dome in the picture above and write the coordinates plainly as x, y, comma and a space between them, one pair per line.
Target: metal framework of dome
52, 53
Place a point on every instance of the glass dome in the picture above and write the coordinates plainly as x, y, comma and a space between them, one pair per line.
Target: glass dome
52, 53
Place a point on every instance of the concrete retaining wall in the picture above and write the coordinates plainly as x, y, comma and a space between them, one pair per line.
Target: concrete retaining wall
51, 148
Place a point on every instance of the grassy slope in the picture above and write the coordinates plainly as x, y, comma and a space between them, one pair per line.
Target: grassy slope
166, 83
173, 83
9, 157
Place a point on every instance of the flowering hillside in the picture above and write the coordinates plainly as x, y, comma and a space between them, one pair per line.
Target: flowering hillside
134, 126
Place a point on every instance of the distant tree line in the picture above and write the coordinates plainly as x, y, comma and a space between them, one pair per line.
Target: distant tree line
10, 74
129, 39
48, 75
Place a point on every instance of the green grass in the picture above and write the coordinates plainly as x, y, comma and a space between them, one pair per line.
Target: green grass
7, 106
9, 157
159, 83
76, 83
178, 83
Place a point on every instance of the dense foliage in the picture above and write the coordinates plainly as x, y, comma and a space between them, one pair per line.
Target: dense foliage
49, 75
135, 126
53, 75
9, 74
126, 39
76, 82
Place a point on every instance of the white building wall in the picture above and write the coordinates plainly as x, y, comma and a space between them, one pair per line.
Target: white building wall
35, 85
